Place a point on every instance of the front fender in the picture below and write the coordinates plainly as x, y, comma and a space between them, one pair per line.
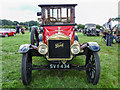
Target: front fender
24, 48
93, 46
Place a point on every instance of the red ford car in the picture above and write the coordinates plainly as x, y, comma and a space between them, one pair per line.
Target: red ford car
58, 43
6, 32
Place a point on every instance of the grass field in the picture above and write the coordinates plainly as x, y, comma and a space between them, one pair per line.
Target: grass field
11, 65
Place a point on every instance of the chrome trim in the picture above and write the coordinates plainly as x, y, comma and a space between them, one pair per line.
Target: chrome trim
62, 37
75, 43
41, 43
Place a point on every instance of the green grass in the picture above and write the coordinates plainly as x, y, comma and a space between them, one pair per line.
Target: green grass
11, 65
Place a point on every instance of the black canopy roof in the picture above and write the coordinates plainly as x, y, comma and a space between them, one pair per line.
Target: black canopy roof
48, 5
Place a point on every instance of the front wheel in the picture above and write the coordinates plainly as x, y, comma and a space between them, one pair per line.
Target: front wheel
93, 67
26, 68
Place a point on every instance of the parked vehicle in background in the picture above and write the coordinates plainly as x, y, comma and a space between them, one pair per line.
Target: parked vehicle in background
6, 32
90, 29
116, 33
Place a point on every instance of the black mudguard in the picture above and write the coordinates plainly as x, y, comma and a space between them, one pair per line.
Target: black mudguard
25, 48
93, 46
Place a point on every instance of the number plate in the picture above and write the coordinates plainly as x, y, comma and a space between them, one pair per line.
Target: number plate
59, 66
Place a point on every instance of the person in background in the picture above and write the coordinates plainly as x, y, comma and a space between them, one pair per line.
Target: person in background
23, 30
109, 38
110, 26
102, 30
17, 28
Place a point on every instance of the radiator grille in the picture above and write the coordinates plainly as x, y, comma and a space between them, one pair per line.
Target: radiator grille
59, 48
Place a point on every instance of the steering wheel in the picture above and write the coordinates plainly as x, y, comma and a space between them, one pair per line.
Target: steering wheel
49, 20
53, 18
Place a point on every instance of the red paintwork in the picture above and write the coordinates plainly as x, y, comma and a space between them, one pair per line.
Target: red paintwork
9, 32
65, 30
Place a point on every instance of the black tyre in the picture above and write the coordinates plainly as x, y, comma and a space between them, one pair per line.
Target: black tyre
93, 67
34, 37
26, 68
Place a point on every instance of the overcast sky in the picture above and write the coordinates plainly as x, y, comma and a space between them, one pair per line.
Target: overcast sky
87, 11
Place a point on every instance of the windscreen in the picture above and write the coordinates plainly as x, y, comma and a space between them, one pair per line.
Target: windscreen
58, 15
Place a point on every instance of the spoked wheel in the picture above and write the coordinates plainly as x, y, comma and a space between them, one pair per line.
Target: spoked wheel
26, 68
93, 67
34, 37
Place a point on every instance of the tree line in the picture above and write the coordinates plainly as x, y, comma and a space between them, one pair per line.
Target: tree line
27, 23
12, 24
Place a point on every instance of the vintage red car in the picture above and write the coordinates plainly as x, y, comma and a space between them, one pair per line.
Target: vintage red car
6, 32
58, 43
